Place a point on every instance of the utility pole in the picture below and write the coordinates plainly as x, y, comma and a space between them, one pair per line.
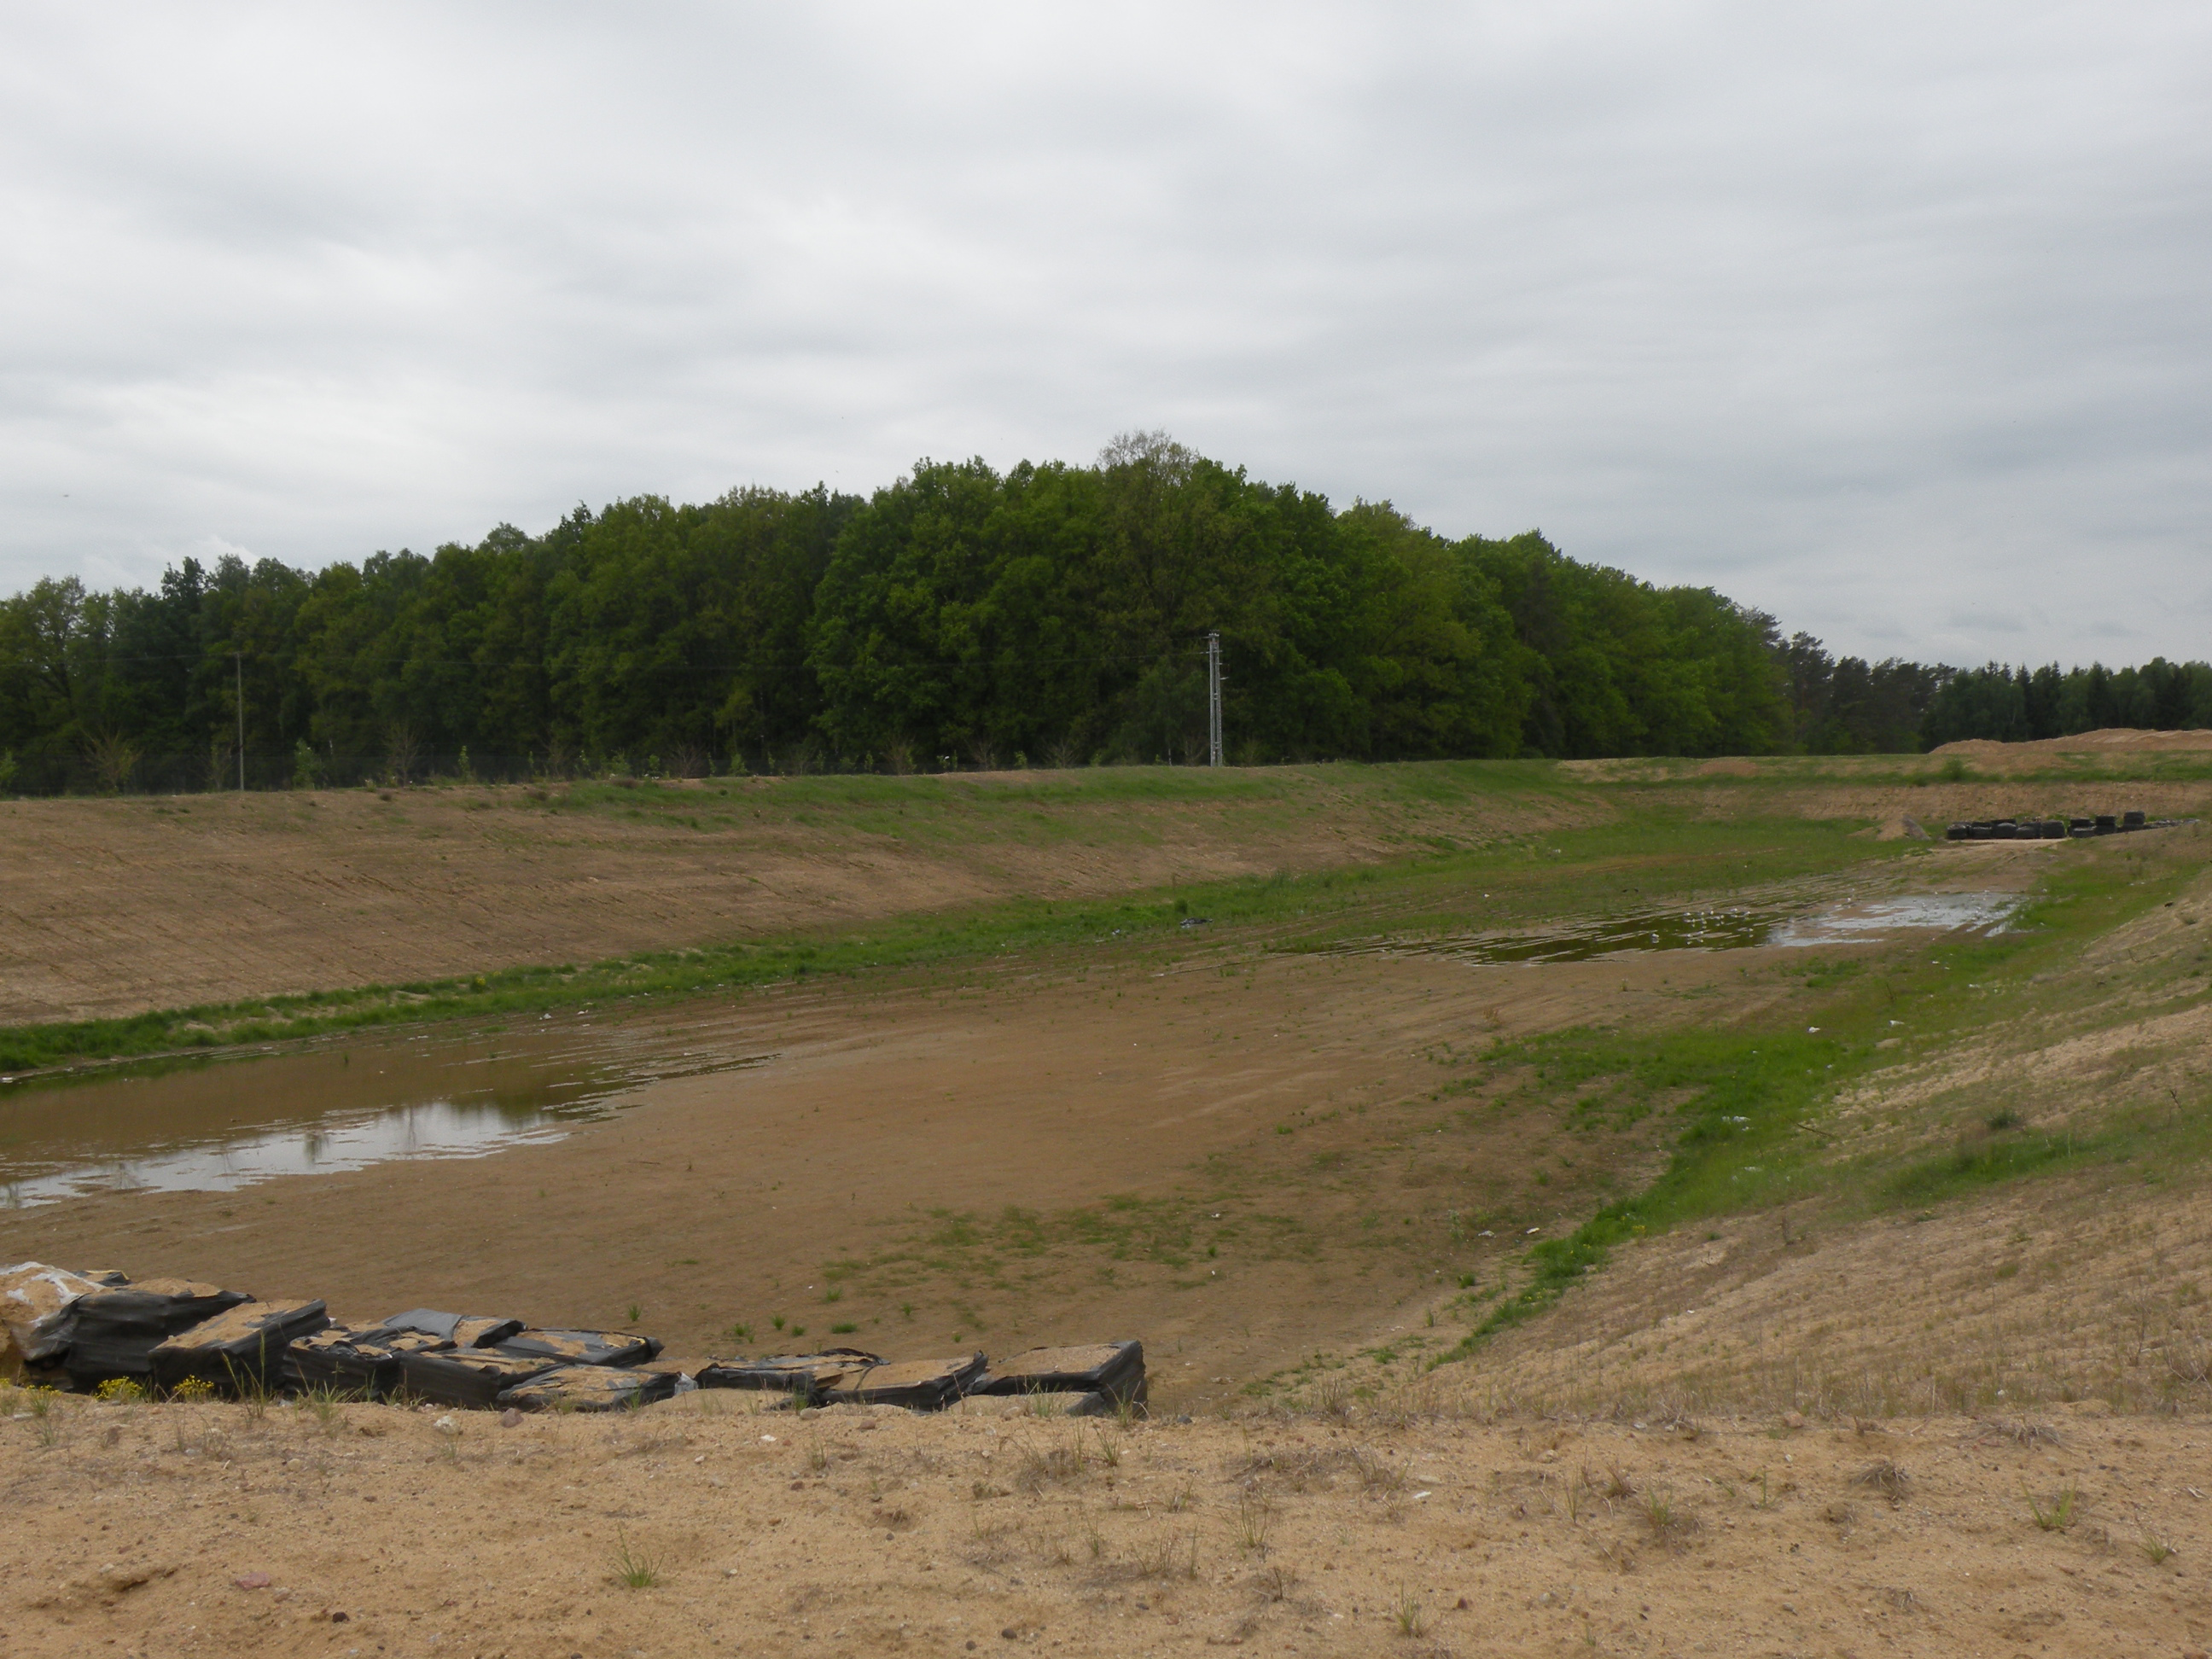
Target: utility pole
238, 658
1213, 699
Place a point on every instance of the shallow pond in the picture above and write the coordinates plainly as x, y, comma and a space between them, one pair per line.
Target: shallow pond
217, 1124
1722, 929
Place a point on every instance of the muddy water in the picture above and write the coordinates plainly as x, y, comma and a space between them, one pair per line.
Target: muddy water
215, 1126
1870, 921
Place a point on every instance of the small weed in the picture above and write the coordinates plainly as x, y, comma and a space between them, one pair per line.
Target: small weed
1378, 1475
982, 1491
816, 1459
1668, 1523
2156, 1549
636, 1313
835, 1293
1255, 1518
1040, 1469
120, 1391
1185, 1497
1406, 1613
777, 1322
741, 1333
633, 1570
2063, 1509
846, 1329
1274, 1583
192, 1391
799, 1330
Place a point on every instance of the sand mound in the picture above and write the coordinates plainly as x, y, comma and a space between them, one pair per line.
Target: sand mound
2124, 738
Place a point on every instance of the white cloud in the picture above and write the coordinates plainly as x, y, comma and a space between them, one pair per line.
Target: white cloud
1877, 317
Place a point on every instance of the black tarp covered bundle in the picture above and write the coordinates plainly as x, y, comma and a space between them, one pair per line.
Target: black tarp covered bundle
590, 1388
801, 1375
1114, 1369
581, 1347
339, 1358
921, 1385
462, 1330
241, 1349
466, 1377
117, 1330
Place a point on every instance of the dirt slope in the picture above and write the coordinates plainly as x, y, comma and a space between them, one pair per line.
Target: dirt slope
112, 907
178, 1530
2114, 740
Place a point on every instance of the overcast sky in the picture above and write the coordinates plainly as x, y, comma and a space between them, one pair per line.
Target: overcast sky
1893, 319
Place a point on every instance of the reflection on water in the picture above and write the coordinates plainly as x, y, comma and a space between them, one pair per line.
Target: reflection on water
1857, 924
215, 1126
1723, 929
1647, 930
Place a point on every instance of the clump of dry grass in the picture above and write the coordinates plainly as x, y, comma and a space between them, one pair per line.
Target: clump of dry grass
1887, 1478
1669, 1522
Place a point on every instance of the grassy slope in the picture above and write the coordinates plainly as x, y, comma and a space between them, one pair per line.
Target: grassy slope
1753, 1103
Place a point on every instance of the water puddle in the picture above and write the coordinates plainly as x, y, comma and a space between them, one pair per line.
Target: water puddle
217, 1126
1877, 919
1865, 922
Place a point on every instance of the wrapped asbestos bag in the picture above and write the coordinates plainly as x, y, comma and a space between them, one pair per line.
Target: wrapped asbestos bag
802, 1376
346, 1361
462, 1330
118, 1329
241, 1349
591, 1389
921, 1385
581, 1347
38, 1314
1114, 1369
475, 1377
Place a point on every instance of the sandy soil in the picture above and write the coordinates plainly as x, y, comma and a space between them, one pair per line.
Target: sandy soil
2106, 740
112, 907
170, 1529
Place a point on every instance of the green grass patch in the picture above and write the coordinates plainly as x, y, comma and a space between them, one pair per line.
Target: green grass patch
1750, 1102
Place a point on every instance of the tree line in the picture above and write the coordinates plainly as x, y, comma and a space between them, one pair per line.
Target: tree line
1050, 615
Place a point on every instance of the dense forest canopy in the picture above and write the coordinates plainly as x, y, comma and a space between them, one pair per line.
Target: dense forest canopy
961, 616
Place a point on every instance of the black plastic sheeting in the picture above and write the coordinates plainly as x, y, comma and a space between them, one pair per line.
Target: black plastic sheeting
1116, 1369
474, 1377
116, 1331
2033, 828
920, 1385
241, 1349
590, 1388
462, 1330
345, 1360
800, 1374
583, 1348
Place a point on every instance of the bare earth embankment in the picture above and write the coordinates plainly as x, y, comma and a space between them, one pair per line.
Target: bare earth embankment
370, 1531
112, 907
1946, 1395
